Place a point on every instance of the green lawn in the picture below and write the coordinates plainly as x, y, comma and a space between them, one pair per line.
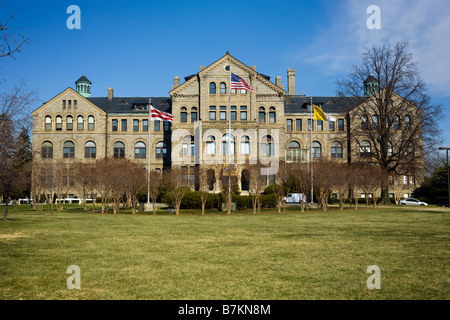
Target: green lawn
311, 255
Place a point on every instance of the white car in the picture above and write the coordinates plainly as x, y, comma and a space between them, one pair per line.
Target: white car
413, 202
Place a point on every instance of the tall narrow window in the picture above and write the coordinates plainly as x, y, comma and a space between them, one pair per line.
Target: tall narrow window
396, 122
135, 125
331, 125
157, 124
145, 125
210, 145
267, 146
91, 123
310, 124
90, 150
115, 124
364, 124
80, 123
336, 150
58, 123
243, 113
289, 124
245, 145
183, 115
262, 114
212, 88
119, 150
140, 150
223, 113
233, 113
124, 124
161, 150
319, 125
47, 150
64, 104
272, 115
316, 150
341, 124
194, 114
407, 122
212, 113
48, 123
166, 126
223, 88
298, 124
69, 150
69, 123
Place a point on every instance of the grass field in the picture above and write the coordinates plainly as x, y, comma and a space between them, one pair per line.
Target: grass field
295, 256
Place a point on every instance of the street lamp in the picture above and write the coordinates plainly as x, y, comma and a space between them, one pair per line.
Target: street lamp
448, 175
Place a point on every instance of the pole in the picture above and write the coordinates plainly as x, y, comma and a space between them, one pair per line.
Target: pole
229, 143
148, 147
311, 151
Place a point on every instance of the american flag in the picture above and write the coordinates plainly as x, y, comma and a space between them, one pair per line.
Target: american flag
160, 115
238, 83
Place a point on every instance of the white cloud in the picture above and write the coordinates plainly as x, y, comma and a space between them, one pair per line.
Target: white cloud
422, 23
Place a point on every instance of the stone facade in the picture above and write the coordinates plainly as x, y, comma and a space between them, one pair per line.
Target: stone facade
267, 123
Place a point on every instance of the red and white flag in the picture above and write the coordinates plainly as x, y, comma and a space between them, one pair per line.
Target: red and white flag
160, 115
239, 83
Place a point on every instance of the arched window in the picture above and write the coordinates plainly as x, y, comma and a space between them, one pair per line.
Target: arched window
212, 88
294, 145
194, 114
210, 145
90, 150
389, 149
47, 150
80, 123
262, 114
58, 122
140, 151
364, 123
407, 122
364, 149
396, 122
316, 150
375, 120
91, 123
245, 145
161, 150
272, 114
183, 114
119, 150
69, 123
48, 123
188, 146
225, 144
267, 146
69, 150
223, 88
336, 150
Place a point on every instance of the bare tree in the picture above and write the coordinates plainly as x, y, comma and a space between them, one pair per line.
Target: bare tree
393, 114
203, 182
11, 41
322, 182
340, 178
156, 181
256, 185
174, 177
135, 182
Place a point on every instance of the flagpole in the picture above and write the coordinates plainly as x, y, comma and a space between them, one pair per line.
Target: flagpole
229, 142
148, 147
311, 156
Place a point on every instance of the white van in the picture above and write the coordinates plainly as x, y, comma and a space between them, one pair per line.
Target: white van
295, 198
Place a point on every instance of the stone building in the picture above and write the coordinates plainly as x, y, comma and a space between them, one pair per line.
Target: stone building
269, 124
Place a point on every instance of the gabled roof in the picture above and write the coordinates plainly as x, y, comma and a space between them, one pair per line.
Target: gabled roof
130, 104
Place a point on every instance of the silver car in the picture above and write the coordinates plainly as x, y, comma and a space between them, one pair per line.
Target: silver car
413, 202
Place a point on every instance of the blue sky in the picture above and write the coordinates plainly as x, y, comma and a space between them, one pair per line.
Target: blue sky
137, 47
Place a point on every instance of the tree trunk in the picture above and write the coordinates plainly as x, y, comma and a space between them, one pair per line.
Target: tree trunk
5, 216
384, 199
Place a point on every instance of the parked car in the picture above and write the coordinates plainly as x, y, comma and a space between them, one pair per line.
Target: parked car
412, 202
295, 198
442, 201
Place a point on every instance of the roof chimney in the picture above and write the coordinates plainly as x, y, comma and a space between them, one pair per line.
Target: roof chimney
110, 93
278, 82
176, 82
291, 82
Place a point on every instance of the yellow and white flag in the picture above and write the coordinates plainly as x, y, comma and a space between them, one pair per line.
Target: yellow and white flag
320, 115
